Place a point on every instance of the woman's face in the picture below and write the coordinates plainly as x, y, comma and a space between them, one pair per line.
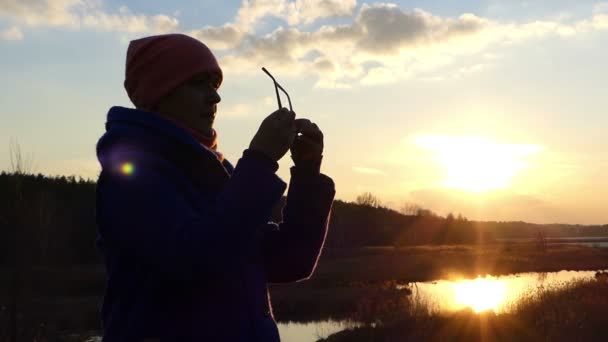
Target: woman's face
194, 102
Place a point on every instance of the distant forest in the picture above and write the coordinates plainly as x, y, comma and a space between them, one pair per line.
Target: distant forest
51, 221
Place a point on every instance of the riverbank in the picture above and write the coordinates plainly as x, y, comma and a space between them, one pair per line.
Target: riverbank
427, 263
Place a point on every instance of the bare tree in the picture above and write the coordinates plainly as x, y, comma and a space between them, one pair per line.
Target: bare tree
20, 164
409, 209
425, 213
368, 199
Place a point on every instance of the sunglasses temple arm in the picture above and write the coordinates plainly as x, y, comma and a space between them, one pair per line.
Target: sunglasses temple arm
288, 98
275, 87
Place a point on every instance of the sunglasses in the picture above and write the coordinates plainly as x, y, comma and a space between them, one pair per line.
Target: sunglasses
277, 86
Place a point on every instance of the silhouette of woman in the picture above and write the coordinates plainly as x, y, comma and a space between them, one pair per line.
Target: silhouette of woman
186, 237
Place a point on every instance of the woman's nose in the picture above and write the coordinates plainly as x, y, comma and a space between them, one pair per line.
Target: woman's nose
216, 97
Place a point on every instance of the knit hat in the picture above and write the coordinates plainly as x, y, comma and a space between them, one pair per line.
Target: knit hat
157, 64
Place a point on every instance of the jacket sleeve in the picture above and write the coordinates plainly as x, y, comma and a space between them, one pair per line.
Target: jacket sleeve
144, 214
292, 248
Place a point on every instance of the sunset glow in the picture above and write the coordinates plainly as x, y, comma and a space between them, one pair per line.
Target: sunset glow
476, 163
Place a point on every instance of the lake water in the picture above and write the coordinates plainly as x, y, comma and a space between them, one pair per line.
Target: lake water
312, 331
489, 292
298, 332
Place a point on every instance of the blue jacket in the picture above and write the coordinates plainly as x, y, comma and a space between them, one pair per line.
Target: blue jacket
186, 239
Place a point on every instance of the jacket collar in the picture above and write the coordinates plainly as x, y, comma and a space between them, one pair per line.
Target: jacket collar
122, 115
152, 132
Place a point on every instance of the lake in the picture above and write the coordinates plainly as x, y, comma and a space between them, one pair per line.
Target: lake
312, 331
298, 332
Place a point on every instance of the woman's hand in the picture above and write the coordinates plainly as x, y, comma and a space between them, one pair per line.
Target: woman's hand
276, 134
308, 145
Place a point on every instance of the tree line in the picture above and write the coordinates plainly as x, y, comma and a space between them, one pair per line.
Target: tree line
51, 221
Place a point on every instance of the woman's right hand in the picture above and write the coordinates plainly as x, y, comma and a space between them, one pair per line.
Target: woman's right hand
276, 134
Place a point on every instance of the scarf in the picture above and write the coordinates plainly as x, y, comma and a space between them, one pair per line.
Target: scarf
208, 142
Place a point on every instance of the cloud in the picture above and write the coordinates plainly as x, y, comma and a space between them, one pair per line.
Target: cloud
377, 32
388, 28
12, 33
323, 64
382, 44
294, 12
129, 23
219, 38
367, 170
42, 12
77, 14
311, 10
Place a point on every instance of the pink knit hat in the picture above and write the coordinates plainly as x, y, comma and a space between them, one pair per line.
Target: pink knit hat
157, 64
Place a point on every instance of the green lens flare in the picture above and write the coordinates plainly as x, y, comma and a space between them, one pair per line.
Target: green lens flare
127, 168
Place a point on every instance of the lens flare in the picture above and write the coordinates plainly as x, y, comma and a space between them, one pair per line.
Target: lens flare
127, 168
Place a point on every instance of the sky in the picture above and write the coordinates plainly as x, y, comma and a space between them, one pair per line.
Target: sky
492, 109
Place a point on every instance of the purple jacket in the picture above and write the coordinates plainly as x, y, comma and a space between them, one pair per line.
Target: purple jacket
186, 239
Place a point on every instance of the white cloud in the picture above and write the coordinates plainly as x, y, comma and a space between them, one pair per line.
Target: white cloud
385, 43
219, 38
367, 170
310, 10
129, 23
12, 33
43, 12
76, 14
294, 12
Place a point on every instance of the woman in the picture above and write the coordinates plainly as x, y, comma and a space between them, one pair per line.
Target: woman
185, 236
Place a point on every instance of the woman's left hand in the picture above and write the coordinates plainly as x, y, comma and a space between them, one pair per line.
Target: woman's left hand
308, 145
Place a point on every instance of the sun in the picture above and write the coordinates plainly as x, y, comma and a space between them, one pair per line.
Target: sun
476, 163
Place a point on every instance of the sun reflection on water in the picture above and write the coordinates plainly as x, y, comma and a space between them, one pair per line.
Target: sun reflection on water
490, 293
480, 294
